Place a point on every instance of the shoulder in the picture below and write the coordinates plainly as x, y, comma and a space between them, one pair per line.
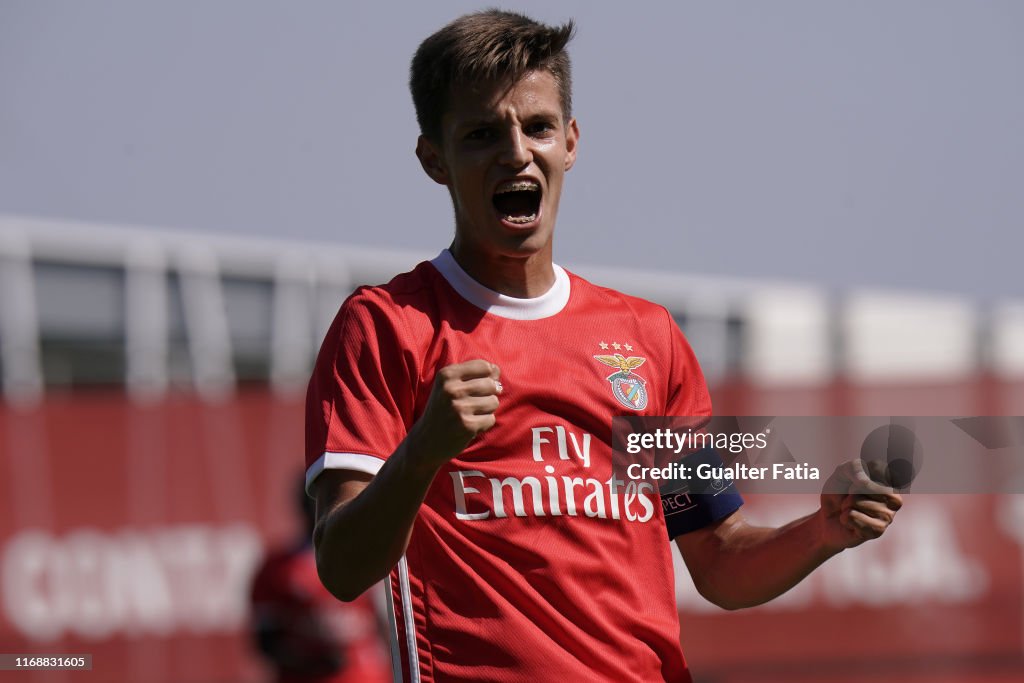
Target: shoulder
417, 286
642, 310
407, 296
387, 326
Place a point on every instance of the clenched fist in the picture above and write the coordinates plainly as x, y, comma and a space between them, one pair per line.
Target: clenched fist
461, 405
857, 504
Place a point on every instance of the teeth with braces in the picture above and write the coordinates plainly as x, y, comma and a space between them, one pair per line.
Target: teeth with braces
521, 220
518, 186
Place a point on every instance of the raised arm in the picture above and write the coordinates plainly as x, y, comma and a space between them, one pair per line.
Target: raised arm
735, 564
363, 521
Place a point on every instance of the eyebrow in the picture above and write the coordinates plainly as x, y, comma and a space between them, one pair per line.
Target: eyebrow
476, 123
483, 123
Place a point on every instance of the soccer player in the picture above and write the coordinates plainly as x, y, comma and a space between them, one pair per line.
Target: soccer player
459, 417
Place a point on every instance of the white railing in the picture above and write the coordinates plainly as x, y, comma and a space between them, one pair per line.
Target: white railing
770, 331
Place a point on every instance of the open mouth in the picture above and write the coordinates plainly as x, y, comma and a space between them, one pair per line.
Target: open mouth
518, 201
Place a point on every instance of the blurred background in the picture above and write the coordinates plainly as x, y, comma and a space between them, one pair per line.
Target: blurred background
826, 195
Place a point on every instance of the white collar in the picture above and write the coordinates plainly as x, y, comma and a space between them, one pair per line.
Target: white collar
546, 305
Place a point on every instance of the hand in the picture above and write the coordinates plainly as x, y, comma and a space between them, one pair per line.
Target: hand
856, 505
461, 406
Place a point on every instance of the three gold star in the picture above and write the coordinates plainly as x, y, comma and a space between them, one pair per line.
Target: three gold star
615, 345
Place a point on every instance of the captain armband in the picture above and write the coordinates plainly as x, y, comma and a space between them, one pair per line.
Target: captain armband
694, 503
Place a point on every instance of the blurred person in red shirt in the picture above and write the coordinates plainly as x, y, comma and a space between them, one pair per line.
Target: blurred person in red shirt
305, 633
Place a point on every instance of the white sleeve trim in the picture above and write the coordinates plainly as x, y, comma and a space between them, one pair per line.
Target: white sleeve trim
358, 462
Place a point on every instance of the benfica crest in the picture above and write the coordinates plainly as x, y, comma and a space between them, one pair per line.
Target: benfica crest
628, 388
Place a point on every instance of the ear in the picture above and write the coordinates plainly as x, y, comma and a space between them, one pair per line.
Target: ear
572, 139
431, 160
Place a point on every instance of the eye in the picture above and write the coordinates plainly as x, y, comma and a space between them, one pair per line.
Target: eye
480, 134
540, 129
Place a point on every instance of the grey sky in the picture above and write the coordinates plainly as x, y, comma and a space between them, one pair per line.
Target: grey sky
846, 143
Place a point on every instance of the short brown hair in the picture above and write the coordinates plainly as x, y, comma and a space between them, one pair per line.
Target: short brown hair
483, 46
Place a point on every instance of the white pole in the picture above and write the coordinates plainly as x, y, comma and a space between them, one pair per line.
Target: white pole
19, 321
146, 320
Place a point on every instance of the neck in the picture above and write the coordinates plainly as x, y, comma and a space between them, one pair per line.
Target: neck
522, 277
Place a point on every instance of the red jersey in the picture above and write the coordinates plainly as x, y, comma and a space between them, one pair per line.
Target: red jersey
528, 559
308, 634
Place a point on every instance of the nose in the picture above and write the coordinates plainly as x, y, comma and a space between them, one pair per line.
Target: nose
515, 152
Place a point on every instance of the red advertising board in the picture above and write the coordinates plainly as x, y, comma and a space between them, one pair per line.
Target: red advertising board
130, 532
